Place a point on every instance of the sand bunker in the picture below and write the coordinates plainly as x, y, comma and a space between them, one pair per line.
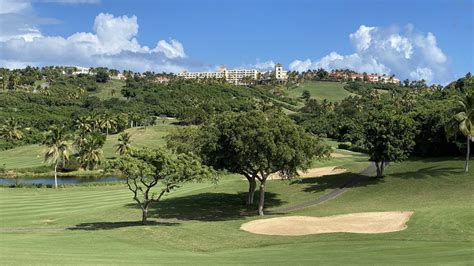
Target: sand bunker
363, 223
314, 172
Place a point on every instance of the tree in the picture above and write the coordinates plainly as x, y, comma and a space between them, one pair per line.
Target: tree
152, 173
388, 137
306, 95
184, 140
58, 149
462, 122
90, 153
102, 75
257, 144
124, 146
107, 122
11, 130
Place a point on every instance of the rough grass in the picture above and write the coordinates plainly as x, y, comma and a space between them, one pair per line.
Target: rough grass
199, 224
320, 90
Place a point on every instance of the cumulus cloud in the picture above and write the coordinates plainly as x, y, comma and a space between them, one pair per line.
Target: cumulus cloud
111, 43
407, 54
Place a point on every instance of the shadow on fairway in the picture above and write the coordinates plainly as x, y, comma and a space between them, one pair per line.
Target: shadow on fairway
210, 206
428, 172
115, 225
320, 184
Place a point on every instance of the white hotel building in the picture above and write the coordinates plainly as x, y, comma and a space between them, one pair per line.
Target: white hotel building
233, 76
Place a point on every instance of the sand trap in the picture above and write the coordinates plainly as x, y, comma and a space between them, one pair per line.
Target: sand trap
314, 172
362, 223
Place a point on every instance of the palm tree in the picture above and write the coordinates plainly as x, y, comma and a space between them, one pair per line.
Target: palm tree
11, 130
107, 121
58, 151
83, 124
90, 154
124, 146
462, 122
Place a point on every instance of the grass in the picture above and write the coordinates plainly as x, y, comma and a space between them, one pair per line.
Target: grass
320, 90
104, 90
199, 224
31, 156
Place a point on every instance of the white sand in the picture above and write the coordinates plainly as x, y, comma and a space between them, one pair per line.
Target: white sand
363, 223
314, 172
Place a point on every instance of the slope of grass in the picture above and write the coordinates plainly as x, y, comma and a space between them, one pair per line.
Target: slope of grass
31, 156
109, 89
199, 224
320, 90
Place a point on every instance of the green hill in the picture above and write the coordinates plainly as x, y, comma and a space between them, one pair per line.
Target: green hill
320, 90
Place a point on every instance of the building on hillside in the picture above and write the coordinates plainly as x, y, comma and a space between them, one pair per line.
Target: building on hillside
234, 76
280, 74
119, 76
162, 79
76, 70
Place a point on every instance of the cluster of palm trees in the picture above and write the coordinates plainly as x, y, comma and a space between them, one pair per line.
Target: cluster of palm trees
85, 145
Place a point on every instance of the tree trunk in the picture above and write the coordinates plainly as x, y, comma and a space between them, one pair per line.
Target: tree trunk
107, 131
144, 215
380, 166
466, 166
262, 198
56, 175
250, 195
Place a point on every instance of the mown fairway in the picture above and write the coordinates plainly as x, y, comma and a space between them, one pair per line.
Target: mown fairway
30, 156
320, 90
199, 223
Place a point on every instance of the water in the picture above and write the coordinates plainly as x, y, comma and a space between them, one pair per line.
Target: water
63, 180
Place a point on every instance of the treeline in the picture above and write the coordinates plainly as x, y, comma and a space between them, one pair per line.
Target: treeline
431, 109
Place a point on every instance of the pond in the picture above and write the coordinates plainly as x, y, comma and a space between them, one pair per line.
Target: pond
62, 180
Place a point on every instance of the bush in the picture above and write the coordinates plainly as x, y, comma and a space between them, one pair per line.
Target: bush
344, 146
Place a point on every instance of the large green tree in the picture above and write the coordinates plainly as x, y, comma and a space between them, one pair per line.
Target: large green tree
389, 137
152, 173
257, 144
58, 149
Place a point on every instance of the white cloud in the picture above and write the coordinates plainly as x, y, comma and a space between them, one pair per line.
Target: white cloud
172, 49
362, 37
422, 73
406, 54
112, 43
13, 6
265, 65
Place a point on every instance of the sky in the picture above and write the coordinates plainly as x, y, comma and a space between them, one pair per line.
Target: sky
417, 39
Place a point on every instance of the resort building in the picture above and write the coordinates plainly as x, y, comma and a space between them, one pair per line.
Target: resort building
280, 74
234, 76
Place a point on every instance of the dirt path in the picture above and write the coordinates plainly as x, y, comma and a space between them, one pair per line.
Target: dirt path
356, 179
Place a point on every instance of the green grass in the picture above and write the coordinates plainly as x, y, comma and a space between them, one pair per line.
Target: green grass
104, 90
31, 156
320, 90
199, 224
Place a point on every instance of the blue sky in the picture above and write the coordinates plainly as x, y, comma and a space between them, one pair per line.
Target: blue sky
412, 39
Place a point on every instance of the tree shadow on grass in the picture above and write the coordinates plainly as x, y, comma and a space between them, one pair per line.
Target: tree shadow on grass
210, 206
323, 183
426, 172
114, 225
